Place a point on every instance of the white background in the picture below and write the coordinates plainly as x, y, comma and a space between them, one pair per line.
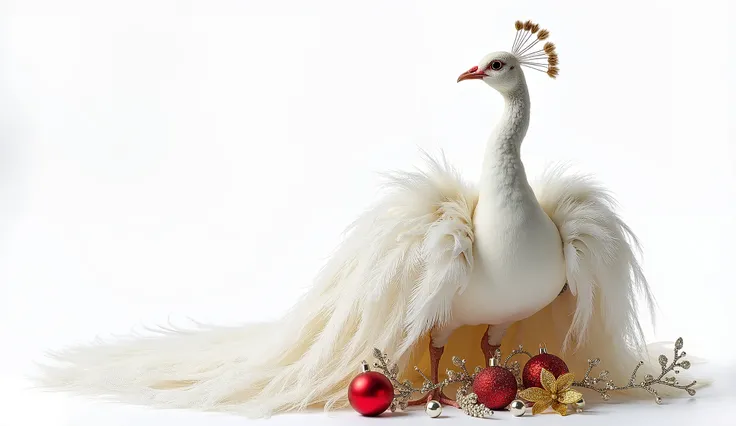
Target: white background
200, 158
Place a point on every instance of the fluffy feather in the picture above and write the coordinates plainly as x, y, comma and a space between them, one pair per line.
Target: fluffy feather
598, 317
599, 254
388, 284
413, 249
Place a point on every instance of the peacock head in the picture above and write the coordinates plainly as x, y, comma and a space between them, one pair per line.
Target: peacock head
502, 70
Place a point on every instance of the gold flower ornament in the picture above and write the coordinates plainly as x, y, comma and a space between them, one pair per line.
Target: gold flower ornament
556, 393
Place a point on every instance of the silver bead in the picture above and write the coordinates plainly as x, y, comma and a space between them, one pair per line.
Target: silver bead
517, 408
580, 405
658, 400
433, 409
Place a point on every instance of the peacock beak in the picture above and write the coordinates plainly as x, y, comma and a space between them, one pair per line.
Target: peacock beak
471, 74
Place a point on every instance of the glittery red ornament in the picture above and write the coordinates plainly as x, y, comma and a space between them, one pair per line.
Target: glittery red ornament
495, 386
533, 368
370, 393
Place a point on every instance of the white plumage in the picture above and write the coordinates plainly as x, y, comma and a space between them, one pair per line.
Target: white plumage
435, 262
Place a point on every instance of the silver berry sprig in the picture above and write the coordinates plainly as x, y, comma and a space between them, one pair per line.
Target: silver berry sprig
468, 402
649, 380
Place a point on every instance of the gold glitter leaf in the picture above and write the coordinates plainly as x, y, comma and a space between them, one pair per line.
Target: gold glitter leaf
560, 408
540, 406
564, 382
534, 394
570, 396
548, 381
556, 393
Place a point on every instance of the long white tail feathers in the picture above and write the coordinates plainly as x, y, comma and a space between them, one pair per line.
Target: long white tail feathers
415, 241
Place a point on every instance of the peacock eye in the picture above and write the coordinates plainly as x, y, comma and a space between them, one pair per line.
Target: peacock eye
496, 65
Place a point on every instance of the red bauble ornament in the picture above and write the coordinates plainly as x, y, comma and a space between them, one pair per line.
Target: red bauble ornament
533, 368
370, 393
495, 386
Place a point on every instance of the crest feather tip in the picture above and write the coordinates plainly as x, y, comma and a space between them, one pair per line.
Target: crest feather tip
535, 59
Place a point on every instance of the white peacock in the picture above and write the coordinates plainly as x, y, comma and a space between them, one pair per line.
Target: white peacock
435, 263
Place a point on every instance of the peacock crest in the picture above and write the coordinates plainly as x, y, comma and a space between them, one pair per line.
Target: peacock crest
528, 35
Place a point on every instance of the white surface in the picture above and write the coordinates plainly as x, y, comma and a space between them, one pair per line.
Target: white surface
201, 158
710, 407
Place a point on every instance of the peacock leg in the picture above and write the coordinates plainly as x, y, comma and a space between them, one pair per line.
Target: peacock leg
488, 349
435, 354
491, 340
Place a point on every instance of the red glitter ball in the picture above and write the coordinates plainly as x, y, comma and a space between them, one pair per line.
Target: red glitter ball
533, 369
495, 387
370, 393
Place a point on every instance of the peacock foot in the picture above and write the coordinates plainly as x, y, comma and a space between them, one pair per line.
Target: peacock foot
435, 395
446, 401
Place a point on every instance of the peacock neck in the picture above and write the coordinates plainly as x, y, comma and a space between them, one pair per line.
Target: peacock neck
503, 179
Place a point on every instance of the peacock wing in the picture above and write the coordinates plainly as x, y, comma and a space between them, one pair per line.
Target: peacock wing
599, 317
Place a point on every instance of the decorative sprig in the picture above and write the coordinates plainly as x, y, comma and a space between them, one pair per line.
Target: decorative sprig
649, 380
518, 351
515, 368
402, 390
467, 400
